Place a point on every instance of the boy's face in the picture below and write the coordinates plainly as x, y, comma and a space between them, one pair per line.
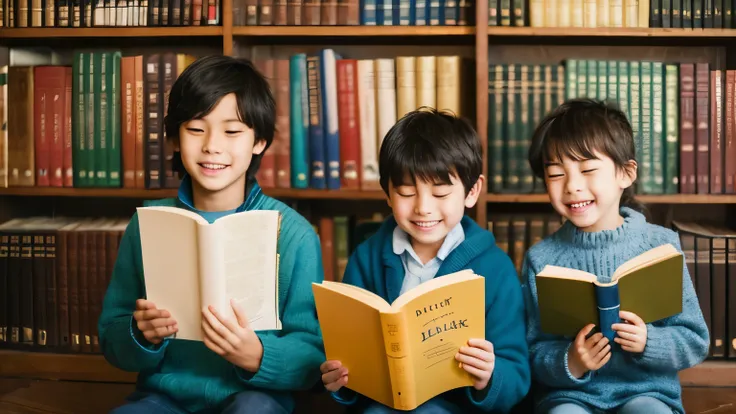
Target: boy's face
428, 211
588, 192
216, 152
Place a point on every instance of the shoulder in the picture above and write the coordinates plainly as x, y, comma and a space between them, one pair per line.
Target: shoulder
658, 235
379, 241
543, 251
162, 202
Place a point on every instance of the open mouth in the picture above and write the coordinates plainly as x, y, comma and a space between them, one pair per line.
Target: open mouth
426, 225
580, 206
212, 168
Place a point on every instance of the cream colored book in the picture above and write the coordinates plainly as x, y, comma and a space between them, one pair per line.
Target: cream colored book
189, 264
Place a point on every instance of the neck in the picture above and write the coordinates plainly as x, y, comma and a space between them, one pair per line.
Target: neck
226, 199
610, 222
426, 252
630, 220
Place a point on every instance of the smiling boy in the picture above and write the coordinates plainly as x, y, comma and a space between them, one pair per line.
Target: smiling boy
221, 117
430, 169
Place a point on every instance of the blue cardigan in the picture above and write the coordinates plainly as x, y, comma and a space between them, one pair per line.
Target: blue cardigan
375, 267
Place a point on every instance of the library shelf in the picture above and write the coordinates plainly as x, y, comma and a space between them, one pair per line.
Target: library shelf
352, 31
109, 32
644, 198
59, 366
634, 32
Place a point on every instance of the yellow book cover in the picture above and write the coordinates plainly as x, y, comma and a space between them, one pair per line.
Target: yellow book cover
402, 354
649, 285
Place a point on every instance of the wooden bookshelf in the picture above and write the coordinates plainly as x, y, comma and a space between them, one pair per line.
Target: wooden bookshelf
53, 366
109, 32
644, 198
510, 31
353, 31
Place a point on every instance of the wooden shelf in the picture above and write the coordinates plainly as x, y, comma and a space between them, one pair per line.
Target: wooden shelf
52, 366
710, 374
353, 31
153, 194
647, 199
608, 32
97, 32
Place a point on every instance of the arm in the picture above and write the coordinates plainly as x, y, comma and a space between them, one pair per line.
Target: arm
547, 353
291, 357
680, 341
121, 341
505, 329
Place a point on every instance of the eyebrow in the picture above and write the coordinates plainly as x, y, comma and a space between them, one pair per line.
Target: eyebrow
233, 120
551, 164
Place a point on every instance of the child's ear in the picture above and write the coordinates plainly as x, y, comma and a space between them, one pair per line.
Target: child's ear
259, 146
629, 174
474, 192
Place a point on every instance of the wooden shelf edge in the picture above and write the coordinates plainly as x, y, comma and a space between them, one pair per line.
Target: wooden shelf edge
55, 366
710, 374
353, 31
608, 32
70, 32
644, 198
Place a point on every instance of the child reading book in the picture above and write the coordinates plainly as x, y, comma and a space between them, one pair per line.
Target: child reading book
584, 150
430, 168
220, 117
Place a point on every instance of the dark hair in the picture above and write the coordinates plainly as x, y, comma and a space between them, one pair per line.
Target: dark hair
578, 128
430, 145
205, 82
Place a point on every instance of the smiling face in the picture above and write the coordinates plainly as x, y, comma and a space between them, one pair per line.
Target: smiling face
216, 151
588, 192
428, 211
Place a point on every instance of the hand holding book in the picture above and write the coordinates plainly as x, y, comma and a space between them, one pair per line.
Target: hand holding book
588, 354
233, 340
632, 335
155, 324
478, 360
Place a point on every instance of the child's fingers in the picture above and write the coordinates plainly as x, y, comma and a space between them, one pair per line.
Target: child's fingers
597, 346
594, 340
475, 372
580, 338
330, 365
631, 317
628, 336
603, 361
478, 353
625, 327
216, 325
472, 361
334, 377
336, 385
213, 346
481, 344
601, 354
215, 337
625, 342
143, 304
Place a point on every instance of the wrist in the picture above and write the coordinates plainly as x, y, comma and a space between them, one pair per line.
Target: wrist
575, 369
253, 361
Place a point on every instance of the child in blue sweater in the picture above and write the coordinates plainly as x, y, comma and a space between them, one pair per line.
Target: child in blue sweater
430, 168
584, 151
221, 117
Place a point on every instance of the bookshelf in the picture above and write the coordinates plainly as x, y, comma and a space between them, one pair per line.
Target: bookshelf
480, 37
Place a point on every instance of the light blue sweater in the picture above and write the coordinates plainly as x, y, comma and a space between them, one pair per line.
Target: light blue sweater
673, 344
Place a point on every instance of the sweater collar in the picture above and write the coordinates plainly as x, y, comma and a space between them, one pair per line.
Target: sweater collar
632, 220
185, 196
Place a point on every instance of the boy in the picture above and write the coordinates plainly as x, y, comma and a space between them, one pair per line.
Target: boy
430, 168
221, 118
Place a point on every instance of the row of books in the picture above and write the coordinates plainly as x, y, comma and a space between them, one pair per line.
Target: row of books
104, 115
681, 115
678, 14
108, 13
353, 12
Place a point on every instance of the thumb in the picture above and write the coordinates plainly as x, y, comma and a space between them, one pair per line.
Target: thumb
239, 314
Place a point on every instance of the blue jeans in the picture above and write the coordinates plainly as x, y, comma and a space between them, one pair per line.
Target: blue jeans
433, 406
244, 402
636, 405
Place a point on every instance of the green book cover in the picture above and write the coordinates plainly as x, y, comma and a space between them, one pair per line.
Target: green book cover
623, 89
672, 149
92, 103
79, 120
602, 80
582, 86
512, 175
571, 89
592, 91
635, 105
612, 91
495, 129
657, 136
645, 141
101, 112
114, 138
526, 177
649, 285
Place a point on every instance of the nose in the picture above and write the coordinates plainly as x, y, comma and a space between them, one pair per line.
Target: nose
574, 183
211, 143
424, 204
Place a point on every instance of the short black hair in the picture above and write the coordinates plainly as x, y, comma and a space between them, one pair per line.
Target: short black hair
578, 128
205, 82
430, 145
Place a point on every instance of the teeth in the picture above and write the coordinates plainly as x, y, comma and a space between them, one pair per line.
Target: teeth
426, 223
213, 166
578, 205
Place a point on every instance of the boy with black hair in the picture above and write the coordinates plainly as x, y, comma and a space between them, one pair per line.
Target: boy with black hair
430, 168
221, 117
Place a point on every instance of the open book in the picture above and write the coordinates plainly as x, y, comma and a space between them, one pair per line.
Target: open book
649, 285
189, 264
402, 354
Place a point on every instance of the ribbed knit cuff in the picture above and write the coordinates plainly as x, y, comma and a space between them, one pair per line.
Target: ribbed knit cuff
270, 362
566, 368
657, 350
142, 342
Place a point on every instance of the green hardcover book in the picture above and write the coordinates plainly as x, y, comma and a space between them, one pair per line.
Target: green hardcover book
100, 118
510, 136
505, 12
79, 120
645, 143
519, 12
635, 106
672, 150
592, 91
657, 134
495, 127
526, 177
612, 86
698, 14
649, 285
114, 160
92, 103
602, 80
623, 88
582, 86
571, 69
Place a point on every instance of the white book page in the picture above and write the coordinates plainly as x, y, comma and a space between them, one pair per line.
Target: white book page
249, 245
171, 267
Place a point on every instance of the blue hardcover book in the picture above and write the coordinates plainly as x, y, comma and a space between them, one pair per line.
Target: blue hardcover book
368, 12
318, 169
328, 84
299, 120
403, 17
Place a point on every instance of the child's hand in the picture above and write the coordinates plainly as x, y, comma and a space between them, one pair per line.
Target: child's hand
588, 354
155, 324
236, 342
334, 375
478, 360
632, 336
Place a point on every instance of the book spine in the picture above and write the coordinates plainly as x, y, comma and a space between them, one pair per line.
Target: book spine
396, 340
299, 114
608, 301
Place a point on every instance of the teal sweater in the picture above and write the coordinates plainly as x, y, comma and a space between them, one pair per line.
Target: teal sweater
673, 344
187, 371
375, 267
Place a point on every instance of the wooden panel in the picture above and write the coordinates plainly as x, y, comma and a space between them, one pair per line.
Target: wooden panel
76, 367
62, 397
710, 374
31, 33
607, 32
353, 31
647, 199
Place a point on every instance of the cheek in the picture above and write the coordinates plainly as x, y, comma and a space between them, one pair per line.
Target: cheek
401, 206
